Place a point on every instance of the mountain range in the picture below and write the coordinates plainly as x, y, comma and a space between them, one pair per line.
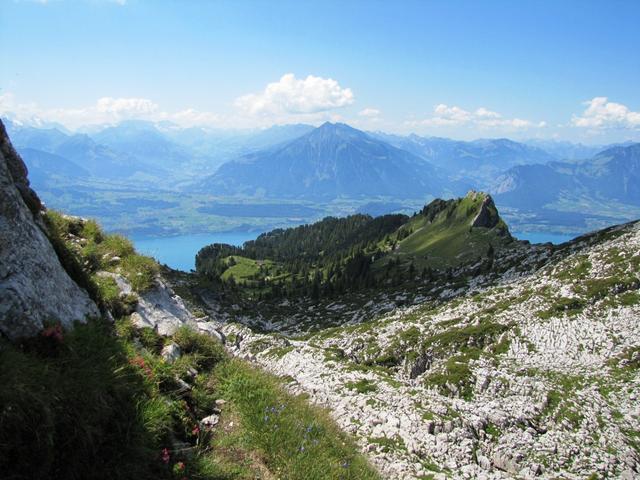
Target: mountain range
541, 184
612, 175
478, 161
331, 161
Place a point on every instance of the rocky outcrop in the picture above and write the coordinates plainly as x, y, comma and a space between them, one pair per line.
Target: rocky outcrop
34, 287
161, 309
487, 217
17, 172
158, 308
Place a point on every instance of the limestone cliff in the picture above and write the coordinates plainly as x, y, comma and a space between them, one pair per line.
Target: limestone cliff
34, 287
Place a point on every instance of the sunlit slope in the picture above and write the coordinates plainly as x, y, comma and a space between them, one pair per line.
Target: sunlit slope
452, 232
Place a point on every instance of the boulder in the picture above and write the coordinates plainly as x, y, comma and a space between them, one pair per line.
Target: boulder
484, 462
420, 365
161, 309
170, 353
210, 421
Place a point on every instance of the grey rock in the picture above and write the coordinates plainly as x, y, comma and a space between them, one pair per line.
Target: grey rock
210, 421
170, 353
160, 308
211, 329
486, 217
504, 461
484, 462
183, 386
420, 365
34, 287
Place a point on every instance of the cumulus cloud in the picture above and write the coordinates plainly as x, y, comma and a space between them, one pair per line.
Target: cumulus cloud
602, 114
104, 110
126, 107
369, 112
291, 95
192, 117
454, 116
484, 113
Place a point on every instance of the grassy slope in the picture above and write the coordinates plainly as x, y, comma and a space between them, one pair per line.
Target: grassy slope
449, 239
245, 268
100, 402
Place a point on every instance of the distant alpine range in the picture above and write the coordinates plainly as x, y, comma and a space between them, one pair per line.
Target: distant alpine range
333, 160
545, 181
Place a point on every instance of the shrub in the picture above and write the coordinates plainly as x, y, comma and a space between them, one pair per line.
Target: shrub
92, 231
207, 351
150, 339
109, 294
362, 386
117, 245
57, 226
140, 271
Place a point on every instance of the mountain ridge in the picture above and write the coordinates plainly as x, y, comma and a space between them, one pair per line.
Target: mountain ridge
612, 174
331, 161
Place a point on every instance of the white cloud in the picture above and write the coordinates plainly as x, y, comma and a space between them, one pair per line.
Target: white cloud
483, 118
191, 117
291, 95
105, 110
126, 107
601, 114
484, 113
370, 113
445, 115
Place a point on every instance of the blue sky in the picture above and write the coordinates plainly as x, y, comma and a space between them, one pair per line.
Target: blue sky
463, 69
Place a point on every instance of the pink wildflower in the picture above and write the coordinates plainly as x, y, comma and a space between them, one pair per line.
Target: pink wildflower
54, 332
165, 455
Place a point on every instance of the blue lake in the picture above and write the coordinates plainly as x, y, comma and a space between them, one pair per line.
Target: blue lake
179, 252
543, 237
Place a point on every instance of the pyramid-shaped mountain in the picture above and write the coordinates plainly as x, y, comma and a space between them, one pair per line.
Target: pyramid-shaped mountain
331, 161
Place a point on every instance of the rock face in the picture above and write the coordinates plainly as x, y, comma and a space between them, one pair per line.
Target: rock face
34, 287
162, 309
487, 216
158, 308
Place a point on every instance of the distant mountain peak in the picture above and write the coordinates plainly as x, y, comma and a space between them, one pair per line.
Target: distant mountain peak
328, 127
331, 161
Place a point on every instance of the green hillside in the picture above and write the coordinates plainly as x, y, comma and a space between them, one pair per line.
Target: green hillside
453, 232
339, 255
